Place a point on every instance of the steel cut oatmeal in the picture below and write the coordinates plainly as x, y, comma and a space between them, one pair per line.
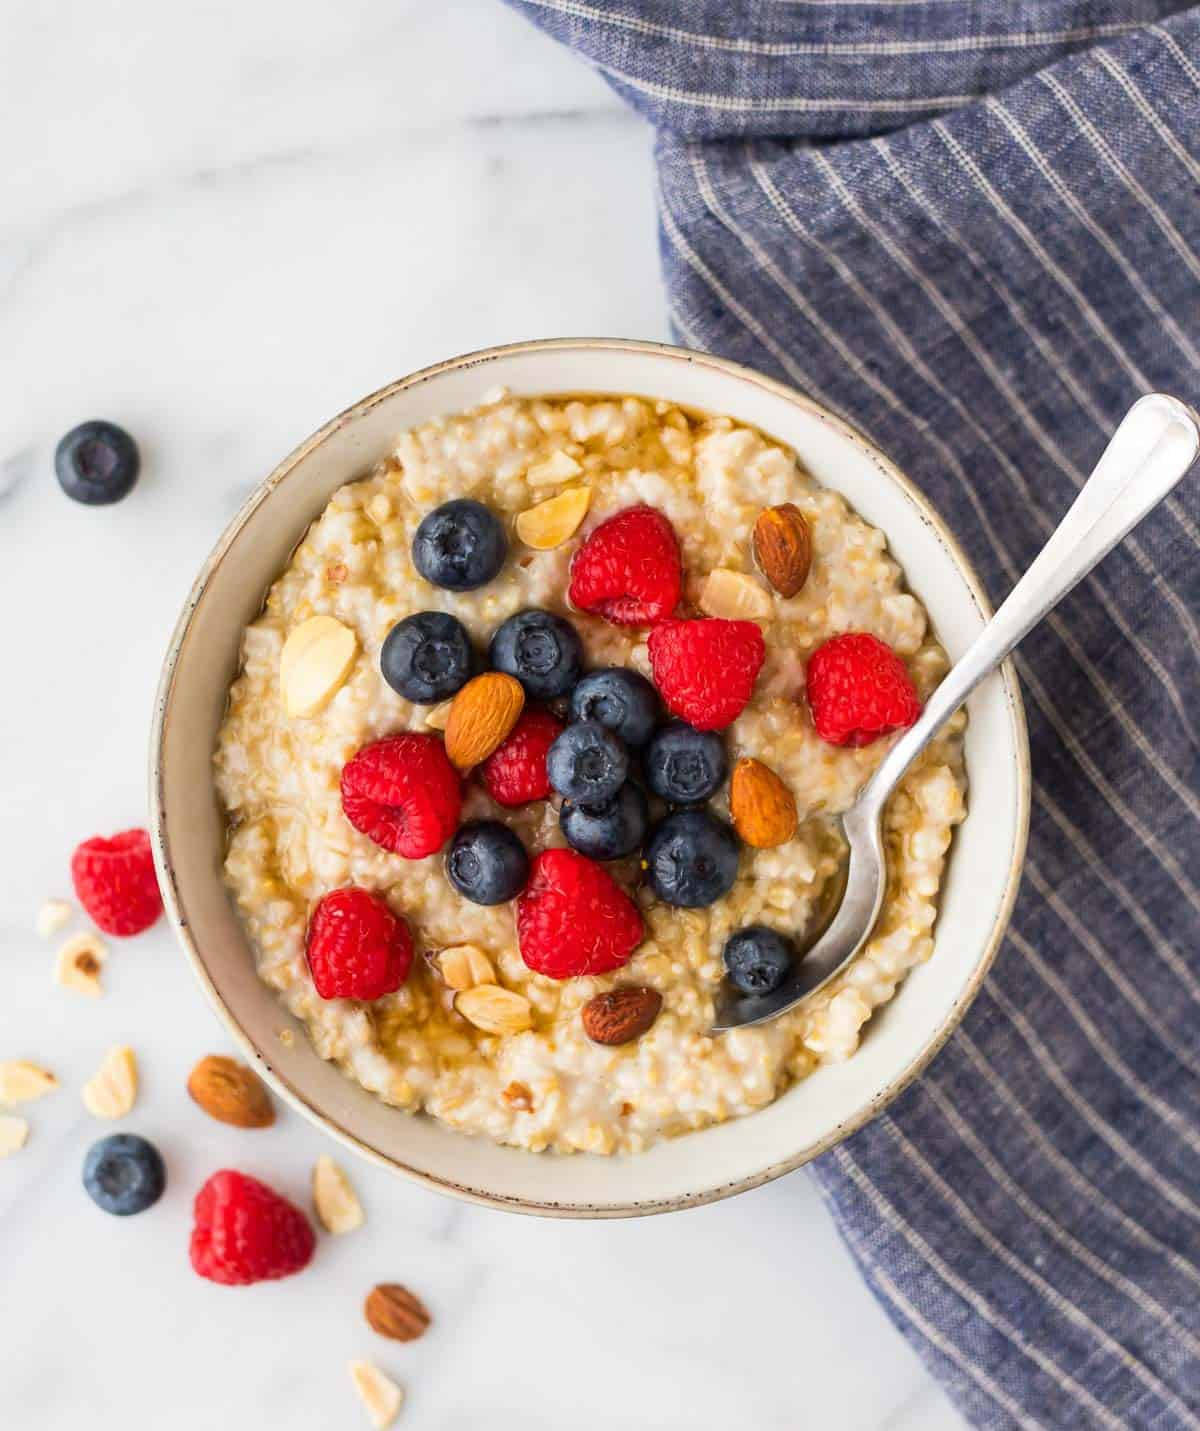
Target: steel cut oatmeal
492, 953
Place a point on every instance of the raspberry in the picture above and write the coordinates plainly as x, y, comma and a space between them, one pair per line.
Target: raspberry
628, 570
115, 882
245, 1232
403, 793
573, 918
859, 689
705, 670
357, 948
515, 773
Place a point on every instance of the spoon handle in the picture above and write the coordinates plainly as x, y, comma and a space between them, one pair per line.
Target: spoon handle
1150, 451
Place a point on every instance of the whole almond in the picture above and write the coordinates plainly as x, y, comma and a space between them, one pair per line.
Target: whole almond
621, 1015
483, 713
231, 1093
763, 808
393, 1311
783, 547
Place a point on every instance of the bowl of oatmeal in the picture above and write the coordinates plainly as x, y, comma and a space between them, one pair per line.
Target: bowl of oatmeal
491, 740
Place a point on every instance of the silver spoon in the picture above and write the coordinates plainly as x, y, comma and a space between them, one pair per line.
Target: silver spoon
1150, 451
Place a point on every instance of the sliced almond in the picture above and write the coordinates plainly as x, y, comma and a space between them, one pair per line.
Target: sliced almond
112, 1092
551, 522
54, 915
483, 713
334, 1198
13, 1134
22, 1082
79, 963
436, 718
463, 966
495, 1010
762, 806
378, 1393
782, 544
231, 1093
315, 660
734, 596
558, 467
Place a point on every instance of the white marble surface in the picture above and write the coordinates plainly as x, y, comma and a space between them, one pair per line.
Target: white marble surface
222, 223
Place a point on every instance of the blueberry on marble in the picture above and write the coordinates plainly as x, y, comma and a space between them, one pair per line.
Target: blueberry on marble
623, 701
587, 763
428, 657
97, 463
609, 831
758, 959
691, 859
459, 545
684, 766
540, 650
124, 1174
487, 863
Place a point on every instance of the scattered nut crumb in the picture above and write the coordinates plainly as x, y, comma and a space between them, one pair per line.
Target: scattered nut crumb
112, 1091
626, 1109
55, 914
22, 1082
518, 1097
336, 572
287, 1038
79, 963
378, 1393
334, 1198
13, 1134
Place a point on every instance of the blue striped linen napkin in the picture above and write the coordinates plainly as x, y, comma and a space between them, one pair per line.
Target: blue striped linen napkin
974, 231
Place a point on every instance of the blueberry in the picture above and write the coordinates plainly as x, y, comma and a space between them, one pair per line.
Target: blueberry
757, 959
124, 1174
427, 657
459, 545
685, 766
692, 859
97, 463
608, 831
587, 763
487, 863
621, 700
541, 650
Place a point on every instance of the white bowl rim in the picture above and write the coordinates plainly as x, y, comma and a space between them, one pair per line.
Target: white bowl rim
177, 914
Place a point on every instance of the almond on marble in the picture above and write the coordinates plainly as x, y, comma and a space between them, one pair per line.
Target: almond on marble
379, 1394
334, 1198
231, 1093
393, 1312
79, 963
112, 1091
13, 1134
54, 915
22, 1082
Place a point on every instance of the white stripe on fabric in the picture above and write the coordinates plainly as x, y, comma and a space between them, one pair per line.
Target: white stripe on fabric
1031, 1126
1036, 1213
1149, 113
751, 324
892, 1218
1067, 1309
1108, 877
987, 1384
1112, 970
1177, 52
1124, 1150
1060, 371
783, 104
1060, 627
1103, 1045
1128, 178
956, 44
1060, 188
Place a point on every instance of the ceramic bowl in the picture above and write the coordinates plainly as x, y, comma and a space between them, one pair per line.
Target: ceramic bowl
186, 823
